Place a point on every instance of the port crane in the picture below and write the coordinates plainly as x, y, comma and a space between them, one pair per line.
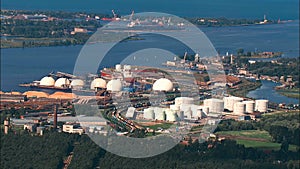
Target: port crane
115, 15
131, 15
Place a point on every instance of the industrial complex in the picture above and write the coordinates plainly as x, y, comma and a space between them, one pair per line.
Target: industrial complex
131, 98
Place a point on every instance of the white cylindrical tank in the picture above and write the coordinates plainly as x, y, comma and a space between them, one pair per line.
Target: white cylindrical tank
47, 81
239, 108
214, 105
175, 107
149, 113
183, 100
249, 106
205, 109
261, 105
62, 82
127, 67
159, 113
77, 83
163, 84
171, 115
181, 115
114, 85
98, 83
230, 101
118, 67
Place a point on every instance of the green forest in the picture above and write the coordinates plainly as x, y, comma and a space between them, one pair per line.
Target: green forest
24, 150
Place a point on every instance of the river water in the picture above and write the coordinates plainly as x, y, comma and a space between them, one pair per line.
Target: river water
267, 91
25, 65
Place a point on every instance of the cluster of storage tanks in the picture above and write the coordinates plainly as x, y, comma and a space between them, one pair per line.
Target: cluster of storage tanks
183, 109
62, 82
114, 85
159, 113
236, 105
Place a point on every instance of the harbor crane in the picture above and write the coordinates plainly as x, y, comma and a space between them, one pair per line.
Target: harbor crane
132, 13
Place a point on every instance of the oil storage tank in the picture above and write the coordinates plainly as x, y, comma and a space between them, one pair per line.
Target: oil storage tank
239, 108
171, 115
183, 100
249, 106
261, 105
149, 113
230, 101
214, 105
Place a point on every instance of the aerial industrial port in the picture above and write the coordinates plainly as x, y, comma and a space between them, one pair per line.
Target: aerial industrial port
133, 98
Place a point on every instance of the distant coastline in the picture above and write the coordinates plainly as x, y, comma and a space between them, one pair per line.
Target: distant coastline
57, 28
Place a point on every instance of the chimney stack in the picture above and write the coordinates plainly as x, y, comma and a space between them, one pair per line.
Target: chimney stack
55, 108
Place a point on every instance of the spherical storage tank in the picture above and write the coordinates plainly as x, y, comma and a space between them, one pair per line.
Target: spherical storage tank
98, 83
62, 82
77, 83
261, 105
249, 106
239, 108
214, 105
114, 85
163, 84
47, 81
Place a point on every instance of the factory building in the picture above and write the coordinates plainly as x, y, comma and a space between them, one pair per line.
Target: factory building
30, 127
261, 105
214, 105
230, 101
163, 85
131, 114
8, 97
73, 128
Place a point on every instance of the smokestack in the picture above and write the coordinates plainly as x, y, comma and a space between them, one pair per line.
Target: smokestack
55, 107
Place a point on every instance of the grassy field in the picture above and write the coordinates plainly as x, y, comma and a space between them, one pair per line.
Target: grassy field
264, 145
255, 139
249, 134
162, 125
292, 93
